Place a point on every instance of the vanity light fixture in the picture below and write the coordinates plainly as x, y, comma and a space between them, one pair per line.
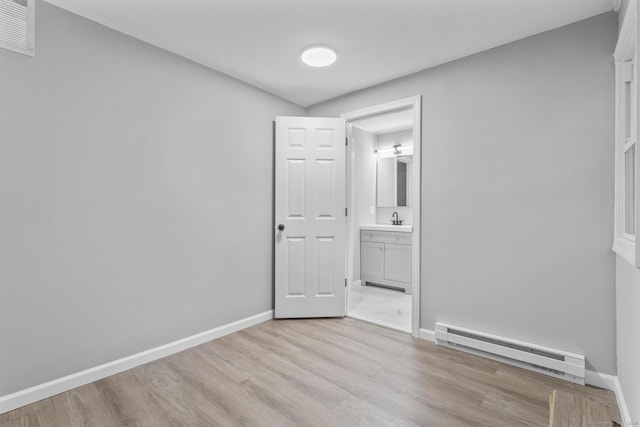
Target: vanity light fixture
396, 150
318, 56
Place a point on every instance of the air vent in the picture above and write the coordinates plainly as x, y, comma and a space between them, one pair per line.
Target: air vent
16, 25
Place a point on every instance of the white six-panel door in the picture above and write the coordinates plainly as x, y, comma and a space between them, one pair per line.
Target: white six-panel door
310, 216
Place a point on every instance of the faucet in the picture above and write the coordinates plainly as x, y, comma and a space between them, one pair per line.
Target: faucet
395, 221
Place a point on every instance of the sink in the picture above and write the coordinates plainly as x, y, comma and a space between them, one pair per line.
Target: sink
385, 227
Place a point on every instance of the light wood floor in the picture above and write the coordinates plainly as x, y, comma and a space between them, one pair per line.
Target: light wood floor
323, 372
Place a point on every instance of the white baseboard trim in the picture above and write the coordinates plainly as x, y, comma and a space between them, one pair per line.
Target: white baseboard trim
33, 394
622, 405
427, 334
597, 379
610, 382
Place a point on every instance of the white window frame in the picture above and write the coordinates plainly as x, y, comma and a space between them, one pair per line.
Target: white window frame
29, 51
626, 71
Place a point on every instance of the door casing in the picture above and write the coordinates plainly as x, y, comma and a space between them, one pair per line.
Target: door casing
413, 103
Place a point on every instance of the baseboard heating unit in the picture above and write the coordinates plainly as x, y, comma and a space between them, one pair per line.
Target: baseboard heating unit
556, 363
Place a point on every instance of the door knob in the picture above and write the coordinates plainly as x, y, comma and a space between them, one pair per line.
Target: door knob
280, 227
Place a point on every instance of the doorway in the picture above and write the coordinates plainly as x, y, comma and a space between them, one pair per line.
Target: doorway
384, 200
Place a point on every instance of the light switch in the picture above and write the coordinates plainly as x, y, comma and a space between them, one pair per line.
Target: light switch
372, 210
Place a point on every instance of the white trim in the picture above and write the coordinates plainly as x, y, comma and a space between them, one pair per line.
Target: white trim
610, 382
350, 157
625, 250
625, 46
428, 335
415, 103
33, 394
388, 107
598, 379
626, 50
615, 5
622, 404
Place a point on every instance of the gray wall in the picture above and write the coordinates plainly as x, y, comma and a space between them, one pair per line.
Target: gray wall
517, 188
135, 188
627, 334
388, 140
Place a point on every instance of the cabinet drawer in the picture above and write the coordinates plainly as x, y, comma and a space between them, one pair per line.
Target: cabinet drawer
385, 237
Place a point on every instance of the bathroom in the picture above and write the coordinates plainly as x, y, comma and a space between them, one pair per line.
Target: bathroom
381, 190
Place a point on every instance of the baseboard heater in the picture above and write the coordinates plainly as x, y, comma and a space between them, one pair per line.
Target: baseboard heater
556, 363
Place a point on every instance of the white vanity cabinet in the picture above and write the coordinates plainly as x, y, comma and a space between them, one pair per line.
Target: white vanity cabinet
371, 261
385, 258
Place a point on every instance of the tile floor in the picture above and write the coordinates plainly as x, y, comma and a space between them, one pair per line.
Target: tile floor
382, 306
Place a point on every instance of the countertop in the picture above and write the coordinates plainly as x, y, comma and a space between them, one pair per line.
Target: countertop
385, 227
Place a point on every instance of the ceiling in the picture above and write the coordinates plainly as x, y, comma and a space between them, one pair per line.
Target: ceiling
260, 41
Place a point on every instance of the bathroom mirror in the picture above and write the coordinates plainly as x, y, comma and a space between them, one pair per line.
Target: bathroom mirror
393, 179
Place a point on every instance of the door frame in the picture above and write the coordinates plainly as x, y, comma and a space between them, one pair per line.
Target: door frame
413, 102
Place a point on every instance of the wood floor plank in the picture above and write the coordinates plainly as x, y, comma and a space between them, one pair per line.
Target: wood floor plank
129, 401
520, 411
393, 401
20, 416
523, 384
330, 331
311, 372
248, 346
223, 352
363, 414
236, 404
453, 401
182, 404
43, 414
474, 376
291, 402
313, 344
83, 406
572, 410
358, 347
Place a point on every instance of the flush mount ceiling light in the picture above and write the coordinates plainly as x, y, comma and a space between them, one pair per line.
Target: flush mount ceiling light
318, 56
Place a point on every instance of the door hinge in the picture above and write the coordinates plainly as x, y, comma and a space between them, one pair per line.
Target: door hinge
345, 212
345, 283
346, 140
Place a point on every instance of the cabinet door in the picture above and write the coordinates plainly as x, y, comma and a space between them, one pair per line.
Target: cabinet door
372, 260
397, 262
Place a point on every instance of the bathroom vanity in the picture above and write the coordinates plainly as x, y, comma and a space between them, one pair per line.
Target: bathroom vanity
385, 255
